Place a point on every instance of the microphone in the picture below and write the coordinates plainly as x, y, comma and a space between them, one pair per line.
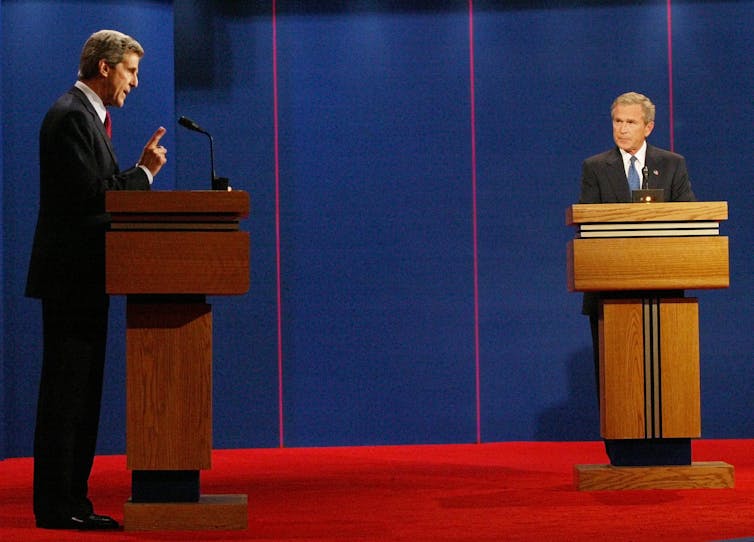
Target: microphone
191, 125
645, 178
217, 183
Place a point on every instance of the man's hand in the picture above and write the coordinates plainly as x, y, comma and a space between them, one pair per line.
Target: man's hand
154, 155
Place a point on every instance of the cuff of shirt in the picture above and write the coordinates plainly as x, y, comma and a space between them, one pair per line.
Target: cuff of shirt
149, 173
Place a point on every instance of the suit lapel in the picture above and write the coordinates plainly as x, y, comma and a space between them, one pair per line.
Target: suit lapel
99, 127
616, 177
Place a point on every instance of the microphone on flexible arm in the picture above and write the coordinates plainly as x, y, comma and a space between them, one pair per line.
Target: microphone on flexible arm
218, 183
644, 178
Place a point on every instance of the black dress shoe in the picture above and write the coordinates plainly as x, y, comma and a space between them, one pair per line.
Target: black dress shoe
90, 522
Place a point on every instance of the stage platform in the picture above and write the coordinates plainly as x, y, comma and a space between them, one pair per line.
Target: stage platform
433, 493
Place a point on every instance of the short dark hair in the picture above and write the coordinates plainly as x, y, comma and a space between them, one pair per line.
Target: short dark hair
634, 98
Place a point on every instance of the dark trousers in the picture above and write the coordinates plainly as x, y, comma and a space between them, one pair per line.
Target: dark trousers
638, 452
68, 408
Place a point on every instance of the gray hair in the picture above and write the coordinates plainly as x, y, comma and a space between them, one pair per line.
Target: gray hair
109, 45
634, 98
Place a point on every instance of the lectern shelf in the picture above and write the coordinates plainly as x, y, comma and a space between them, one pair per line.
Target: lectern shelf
166, 251
639, 256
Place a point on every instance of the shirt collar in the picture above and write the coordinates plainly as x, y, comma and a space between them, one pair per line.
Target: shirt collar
641, 154
95, 100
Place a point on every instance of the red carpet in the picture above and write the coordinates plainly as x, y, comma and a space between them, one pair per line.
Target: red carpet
500, 492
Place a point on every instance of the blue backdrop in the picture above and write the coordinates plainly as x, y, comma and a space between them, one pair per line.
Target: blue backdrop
383, 166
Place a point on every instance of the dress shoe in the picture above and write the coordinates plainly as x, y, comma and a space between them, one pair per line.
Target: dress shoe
90, 522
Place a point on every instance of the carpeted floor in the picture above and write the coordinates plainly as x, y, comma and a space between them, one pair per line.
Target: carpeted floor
500, 492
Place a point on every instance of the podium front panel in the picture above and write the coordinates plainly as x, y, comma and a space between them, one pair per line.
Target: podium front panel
648, 263
177, 262
681, 390
622, 371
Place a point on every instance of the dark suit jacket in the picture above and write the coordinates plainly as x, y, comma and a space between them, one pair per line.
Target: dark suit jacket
603, 177
77, 166
603, 180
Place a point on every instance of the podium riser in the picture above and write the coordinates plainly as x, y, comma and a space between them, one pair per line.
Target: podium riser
701, 475
212, 512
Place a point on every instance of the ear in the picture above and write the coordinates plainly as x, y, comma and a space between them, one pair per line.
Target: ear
104, 67
648, 128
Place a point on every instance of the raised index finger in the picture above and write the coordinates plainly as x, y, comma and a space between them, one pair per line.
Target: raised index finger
156, 136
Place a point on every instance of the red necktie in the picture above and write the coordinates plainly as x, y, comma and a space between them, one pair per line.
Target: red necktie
108, 125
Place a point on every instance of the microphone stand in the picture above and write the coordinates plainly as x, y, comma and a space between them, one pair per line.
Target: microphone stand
217, 183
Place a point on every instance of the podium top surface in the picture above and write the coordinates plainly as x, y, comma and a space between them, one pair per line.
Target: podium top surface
646, 212
214, 202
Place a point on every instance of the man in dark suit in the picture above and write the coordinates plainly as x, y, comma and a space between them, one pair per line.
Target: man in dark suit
606, 178
67, 272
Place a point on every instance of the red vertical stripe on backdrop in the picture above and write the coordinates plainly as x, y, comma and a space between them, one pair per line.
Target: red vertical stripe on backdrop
474, 224
279, 299
671, 119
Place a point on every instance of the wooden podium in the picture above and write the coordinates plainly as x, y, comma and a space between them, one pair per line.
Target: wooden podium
166, 251
644, 254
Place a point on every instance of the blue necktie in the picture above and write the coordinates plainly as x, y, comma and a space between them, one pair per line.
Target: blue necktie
633, 175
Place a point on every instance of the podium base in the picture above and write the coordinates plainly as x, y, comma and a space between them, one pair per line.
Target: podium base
212, 512
698, 475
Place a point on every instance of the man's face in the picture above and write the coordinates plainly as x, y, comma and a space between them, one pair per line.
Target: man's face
120, 79
629, 128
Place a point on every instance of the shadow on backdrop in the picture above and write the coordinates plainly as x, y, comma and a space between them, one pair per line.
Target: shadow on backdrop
576, 418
